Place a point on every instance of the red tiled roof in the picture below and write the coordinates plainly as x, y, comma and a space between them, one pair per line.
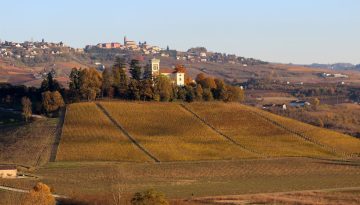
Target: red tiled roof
7, 167
166, 70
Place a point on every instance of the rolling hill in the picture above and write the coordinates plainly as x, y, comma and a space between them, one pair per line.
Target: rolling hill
160, 132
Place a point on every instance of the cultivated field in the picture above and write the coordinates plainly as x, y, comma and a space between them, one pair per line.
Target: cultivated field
88, 135
171, 133
187, 179
27, 144
338, 141
254, 132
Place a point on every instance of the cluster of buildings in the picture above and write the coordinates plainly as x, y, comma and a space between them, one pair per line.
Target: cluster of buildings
176, 77
128, 45
283, 106
30, 49
336, 75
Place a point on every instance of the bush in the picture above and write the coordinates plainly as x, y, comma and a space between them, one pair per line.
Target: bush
39, 195
149, 197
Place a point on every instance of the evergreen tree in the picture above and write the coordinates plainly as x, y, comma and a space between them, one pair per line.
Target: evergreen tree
74, 85
123, 85
147, 90
135, 69
107, 83
50, 84
133, 92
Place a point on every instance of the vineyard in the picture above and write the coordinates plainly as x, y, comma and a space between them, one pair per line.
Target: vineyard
245, 127
149, 131
89, 135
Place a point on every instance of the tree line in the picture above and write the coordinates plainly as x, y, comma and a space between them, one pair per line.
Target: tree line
89, 84
126, 81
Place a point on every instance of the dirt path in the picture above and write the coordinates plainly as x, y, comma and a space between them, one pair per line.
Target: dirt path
126, 133
58, 133
26, 191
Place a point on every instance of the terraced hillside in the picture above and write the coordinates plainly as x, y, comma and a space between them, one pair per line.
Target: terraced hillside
143, 131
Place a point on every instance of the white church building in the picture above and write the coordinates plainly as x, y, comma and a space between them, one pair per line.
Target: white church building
177, 78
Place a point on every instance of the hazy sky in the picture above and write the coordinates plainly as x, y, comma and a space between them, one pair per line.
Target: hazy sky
297, 31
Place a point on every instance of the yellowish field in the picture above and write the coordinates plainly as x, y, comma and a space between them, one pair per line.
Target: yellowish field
171, 133
250, 130
339, 141
88, 135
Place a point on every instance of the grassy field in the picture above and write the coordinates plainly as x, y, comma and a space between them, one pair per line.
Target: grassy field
171, 133
27, 144
349, 196
187, 179
339, 141
250, 130
88, 135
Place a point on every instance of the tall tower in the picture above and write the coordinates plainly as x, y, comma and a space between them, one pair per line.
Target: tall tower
155, 66
125, 39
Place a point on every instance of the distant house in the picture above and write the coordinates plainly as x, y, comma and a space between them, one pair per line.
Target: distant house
279, 106
8, 171
178, 78
299, 103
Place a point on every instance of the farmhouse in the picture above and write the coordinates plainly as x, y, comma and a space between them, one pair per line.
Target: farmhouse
8, 171
177, 77
279, 106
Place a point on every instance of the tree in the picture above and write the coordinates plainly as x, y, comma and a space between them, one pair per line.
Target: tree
235, 94
107, 83
190, 95
207, 94
220, 92
39, 195
149, 197
133, 91
135, 69
75, 84
147, 89
315, 103
163, 87
91, 82
52, 101
50, 84
26, 108
200, 77
199, 92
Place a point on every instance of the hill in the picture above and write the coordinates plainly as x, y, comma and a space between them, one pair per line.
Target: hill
129, 131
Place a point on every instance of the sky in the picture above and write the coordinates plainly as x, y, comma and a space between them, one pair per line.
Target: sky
286, 31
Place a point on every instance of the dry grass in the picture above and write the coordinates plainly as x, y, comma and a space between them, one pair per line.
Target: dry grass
298, 198
10, 198
254, 132
171, 133
28, 145
88, 135
187, 179
339, 141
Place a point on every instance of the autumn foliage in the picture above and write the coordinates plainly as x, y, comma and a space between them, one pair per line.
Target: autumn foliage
39, 195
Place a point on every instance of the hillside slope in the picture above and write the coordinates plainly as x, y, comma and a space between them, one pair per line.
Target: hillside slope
128, 131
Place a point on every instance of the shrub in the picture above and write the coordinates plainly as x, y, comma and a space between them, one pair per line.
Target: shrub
39, 195
149, 197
